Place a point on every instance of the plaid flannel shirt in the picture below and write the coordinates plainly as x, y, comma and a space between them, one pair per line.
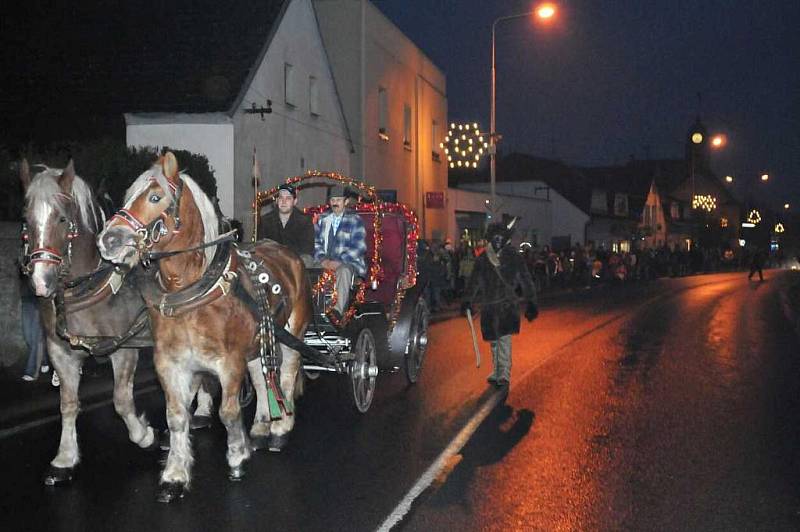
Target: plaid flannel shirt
350, 245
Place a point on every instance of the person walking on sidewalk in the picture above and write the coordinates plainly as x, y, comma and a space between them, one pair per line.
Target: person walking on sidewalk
495, 278
33, 333
756, 263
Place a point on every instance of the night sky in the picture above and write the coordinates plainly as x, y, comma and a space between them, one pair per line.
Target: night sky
619, 78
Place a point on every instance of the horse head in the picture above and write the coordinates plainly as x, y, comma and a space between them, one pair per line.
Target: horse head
164, 210
59, 209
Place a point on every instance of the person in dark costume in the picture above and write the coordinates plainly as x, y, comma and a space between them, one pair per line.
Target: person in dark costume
756, 263
288, 225
495, 278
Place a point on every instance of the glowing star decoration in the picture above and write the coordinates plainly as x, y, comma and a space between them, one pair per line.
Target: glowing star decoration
754, 217
464, 145
706, 202
779, 228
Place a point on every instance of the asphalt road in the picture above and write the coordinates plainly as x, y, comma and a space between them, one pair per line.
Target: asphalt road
671, 405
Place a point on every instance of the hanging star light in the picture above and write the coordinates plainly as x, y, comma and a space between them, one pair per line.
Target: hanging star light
464, 145
754, 217
779, 228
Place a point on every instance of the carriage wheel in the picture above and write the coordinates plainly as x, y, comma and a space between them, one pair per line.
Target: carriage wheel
417, 341
364, 369
246, 392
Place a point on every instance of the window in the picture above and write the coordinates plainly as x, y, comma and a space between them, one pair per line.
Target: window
383, 114
288, 84
407, 126
313, 96
675, 210
435, 141
599, 201
621, 204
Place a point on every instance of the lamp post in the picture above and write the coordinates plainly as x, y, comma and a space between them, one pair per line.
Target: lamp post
544, 11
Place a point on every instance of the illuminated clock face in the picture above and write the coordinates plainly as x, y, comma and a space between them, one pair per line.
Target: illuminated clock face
697, 138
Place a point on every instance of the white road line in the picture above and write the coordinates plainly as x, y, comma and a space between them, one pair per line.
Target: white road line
461, 439
432, 472
5, 433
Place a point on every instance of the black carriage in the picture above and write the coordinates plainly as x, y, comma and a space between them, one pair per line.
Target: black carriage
384, 329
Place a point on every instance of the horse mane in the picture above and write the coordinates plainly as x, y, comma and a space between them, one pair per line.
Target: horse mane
44, 190
208, 213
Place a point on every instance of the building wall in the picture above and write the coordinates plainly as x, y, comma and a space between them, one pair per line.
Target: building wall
291, 140
658, 228
564, 219
535, 214
211, 135
369, 53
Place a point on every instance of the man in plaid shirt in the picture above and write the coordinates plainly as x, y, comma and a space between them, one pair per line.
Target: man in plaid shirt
340, 245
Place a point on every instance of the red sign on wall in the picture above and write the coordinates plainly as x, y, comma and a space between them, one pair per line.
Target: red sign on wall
434, 200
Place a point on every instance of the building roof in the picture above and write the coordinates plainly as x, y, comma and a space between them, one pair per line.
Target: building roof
564, 179
92, 58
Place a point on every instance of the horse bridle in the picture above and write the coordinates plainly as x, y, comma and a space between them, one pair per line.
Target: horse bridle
47, 254
152, 232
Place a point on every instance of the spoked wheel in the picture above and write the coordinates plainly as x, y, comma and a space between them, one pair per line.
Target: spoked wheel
364, 369
246, 392
417, 341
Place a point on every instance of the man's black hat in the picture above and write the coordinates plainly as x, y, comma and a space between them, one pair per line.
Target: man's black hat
337, 191
289, 188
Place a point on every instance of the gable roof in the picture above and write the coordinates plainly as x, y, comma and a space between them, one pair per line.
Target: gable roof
87, 58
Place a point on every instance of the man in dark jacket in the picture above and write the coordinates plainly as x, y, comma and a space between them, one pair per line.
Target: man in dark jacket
495, 278
288, 225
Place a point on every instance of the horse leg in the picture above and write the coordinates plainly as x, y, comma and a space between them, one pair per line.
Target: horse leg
177, 385
230, 413
201, 418
68, 366
279, 435
261, 424
139, 430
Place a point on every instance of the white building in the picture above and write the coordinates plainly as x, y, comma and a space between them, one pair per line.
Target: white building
286, 108
395, 103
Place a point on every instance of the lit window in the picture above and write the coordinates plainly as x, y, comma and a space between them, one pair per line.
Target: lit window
288, 84
435, 140
313, 96
406, 126
383, 113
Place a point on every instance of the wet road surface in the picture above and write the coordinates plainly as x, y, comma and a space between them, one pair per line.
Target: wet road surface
669, 405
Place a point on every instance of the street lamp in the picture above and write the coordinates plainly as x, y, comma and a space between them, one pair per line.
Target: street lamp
544, 12
764, 177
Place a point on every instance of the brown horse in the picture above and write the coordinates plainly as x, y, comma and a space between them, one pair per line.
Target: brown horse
217, 332
62, 220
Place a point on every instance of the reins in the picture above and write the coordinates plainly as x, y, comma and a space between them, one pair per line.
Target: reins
230, 236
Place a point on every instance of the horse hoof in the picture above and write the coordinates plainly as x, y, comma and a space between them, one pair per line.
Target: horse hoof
236, 473
163, 440
57, 476
276, 443
169, 491
259, 443
200, 422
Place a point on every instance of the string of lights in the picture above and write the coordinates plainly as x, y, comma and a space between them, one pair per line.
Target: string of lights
464, 145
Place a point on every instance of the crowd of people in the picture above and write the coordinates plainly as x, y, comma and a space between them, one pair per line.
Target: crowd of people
445, 268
